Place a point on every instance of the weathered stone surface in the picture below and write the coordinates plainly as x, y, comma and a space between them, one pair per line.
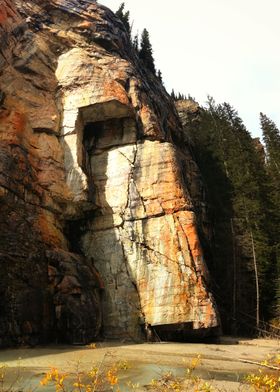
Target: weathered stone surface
95, 175
146, 220
75, 286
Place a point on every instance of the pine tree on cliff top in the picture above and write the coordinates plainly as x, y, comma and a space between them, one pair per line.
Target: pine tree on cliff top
146, 52
124, 17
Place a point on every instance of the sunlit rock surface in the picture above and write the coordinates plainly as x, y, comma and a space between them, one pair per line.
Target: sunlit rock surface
98, 187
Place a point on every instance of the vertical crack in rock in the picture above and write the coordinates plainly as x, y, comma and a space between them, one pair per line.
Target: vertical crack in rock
193, 265
130, 182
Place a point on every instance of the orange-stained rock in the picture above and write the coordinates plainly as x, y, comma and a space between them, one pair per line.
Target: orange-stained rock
98, 187
114, 90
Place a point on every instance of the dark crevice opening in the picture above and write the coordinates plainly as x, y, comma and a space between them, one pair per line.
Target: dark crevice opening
184, 332
92, 132
74, 229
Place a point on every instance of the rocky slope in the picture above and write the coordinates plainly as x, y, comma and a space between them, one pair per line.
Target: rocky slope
98, 229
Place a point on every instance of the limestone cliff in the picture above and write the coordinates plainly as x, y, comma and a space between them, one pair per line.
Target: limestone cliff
98, 230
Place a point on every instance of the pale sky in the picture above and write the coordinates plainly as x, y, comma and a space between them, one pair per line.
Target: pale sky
228, 49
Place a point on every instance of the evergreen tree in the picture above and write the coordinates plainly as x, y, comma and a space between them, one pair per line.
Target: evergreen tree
146, 52
159, 76
135, 43
271, 137
124, 17
180, 97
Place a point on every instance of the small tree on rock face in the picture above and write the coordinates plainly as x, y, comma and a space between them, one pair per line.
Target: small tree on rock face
135, 43
159, 76
146, 52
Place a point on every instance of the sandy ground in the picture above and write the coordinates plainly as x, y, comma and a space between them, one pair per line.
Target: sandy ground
222, 363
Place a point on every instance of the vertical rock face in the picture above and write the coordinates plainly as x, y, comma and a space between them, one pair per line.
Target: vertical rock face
98, 226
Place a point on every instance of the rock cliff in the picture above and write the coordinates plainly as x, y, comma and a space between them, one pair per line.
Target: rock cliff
98, 227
